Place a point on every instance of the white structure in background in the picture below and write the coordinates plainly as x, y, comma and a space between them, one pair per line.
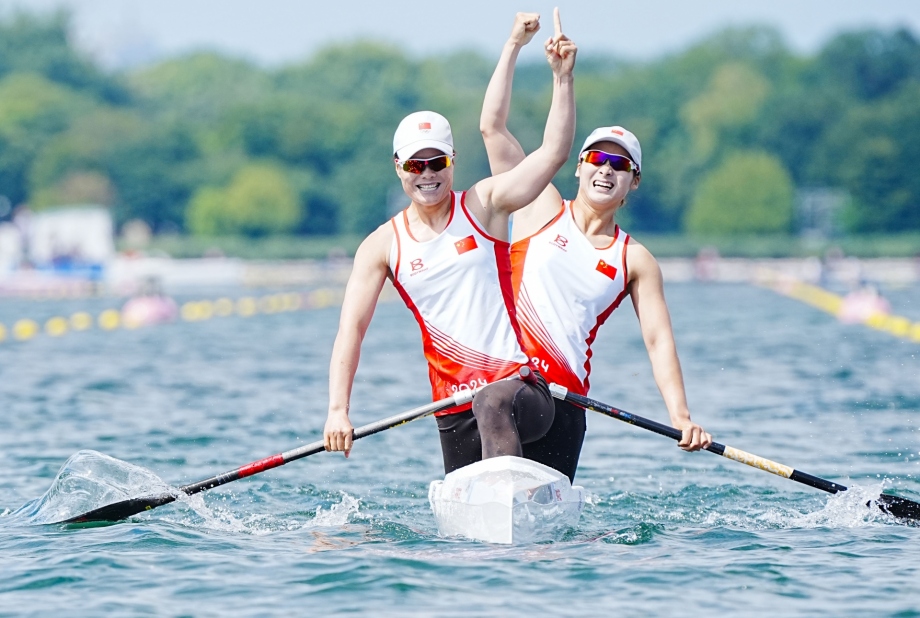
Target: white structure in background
78, 239
10, 248
818, 211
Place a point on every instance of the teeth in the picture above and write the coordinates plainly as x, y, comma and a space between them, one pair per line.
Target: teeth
603, 185
431, 187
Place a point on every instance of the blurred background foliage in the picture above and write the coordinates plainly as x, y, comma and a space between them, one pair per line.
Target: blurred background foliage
734, 129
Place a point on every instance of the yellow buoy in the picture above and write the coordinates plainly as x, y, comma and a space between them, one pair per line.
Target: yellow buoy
246, 306
2, 332
291, 302
223, 307
898, 326
269, 304
189, 311
56, 326
110, 319
205, 310
81, 321
25, 329
914, 333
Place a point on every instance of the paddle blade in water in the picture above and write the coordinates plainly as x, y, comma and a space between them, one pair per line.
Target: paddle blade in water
121, 510
902, 508
91, 482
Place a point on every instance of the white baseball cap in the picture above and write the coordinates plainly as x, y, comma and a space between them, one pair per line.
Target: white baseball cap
617, 135
421, 130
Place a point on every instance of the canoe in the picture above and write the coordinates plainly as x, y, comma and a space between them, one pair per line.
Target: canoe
506, 500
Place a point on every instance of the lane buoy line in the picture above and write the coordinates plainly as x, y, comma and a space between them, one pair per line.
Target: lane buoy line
191, 311
831, 303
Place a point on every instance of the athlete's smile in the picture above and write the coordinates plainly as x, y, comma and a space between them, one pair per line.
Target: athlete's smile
603, 184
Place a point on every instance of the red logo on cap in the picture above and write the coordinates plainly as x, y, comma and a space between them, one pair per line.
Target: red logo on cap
424, 126
616, 131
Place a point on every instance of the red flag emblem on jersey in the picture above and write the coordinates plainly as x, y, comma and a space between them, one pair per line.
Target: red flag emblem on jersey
606, 269
467, 244
424, 126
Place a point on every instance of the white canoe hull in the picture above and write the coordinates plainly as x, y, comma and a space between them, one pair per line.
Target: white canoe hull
506, 500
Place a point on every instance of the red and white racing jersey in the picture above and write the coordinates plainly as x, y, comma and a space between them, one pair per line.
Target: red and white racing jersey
565, 288
458, 287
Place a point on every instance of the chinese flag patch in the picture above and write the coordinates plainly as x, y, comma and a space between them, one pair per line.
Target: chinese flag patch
424, 126
606, 269
467, 244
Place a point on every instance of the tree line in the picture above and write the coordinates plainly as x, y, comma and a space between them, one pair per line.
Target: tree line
733, 129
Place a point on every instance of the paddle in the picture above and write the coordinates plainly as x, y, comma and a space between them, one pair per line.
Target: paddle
133, 506
896, 506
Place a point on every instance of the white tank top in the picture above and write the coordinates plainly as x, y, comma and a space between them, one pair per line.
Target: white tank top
458, 287
565, 288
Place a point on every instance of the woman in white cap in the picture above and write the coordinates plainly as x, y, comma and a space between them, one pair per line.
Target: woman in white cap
572, 268
448, 256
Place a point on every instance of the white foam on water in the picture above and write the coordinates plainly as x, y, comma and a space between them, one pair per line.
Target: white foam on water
87, 481
854, 508
337, 515
222, 519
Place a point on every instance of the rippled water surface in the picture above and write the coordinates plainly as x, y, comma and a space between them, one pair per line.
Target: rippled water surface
663, 531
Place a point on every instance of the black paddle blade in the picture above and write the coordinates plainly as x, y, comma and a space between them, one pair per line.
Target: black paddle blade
121, 510
902, 508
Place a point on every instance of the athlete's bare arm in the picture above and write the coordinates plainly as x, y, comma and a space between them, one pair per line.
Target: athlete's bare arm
646, 289
493, 199
367, 278
503, 149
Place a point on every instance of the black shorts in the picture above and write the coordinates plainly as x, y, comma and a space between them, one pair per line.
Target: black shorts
558, 448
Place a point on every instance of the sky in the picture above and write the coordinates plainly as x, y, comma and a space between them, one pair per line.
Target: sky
123, 33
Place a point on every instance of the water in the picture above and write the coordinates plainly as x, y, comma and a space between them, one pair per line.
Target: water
663, 531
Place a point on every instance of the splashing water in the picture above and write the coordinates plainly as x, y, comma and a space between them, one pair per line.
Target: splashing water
853, 508
337, 515
89, 480
221, 519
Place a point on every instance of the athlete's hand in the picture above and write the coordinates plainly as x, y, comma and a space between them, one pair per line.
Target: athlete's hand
338, 434
525, 27
694, 437
560, 50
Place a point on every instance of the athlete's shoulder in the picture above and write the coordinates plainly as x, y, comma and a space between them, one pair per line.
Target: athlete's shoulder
639, 261
377, 244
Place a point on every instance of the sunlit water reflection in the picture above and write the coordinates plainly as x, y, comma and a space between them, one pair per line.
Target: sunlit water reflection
662, 531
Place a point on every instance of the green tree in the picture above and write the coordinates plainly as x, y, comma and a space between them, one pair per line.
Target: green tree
258, 201
40, 44
732, 99
873, 153
199, 88
749, 193
868, 64
31, 104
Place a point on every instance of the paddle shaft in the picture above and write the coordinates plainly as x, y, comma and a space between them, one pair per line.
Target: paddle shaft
729, 452
315, 447
133, 506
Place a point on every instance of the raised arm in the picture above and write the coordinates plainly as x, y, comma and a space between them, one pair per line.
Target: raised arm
518, 187
361, 293
503, 149
646, 289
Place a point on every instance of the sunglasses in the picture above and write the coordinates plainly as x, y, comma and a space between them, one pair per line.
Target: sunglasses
417, 166
618, 163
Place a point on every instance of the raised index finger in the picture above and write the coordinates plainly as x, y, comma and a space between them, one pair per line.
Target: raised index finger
557, 23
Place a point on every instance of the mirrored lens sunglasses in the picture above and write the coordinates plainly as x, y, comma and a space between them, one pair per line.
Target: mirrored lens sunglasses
618, 163
417, 166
